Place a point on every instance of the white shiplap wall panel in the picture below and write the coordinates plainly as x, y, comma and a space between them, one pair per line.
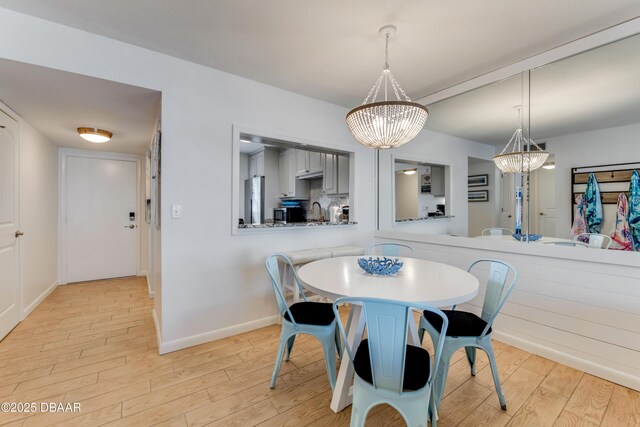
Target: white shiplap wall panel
588, 347
600, 298
578, 308
583, 312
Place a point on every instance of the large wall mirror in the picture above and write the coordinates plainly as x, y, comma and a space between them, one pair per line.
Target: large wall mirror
584, 111
488, 115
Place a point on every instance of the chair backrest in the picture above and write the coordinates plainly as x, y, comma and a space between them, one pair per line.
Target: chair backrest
563, 243
497, 231
594, 240
497, 292
391, 249
387, 327
273, 268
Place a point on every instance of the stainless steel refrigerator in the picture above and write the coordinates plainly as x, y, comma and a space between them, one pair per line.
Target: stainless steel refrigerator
254, 200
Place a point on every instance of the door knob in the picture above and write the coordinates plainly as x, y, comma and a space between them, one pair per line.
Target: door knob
509, 216
130, 226
19, 233
541, 213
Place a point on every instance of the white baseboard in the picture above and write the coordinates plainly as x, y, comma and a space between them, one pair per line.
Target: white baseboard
179, 344
156, 324
26, 311
152, 293
606, 372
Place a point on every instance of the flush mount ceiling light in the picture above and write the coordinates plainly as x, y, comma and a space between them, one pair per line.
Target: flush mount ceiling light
386, 124
409, 171
549, 165
518, 160
97, 136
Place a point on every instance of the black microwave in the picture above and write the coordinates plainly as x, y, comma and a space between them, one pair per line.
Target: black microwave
289, 214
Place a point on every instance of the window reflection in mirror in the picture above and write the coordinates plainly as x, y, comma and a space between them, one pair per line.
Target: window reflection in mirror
419, 190
284, 183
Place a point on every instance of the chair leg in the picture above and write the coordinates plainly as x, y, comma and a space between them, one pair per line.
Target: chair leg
338, 343
441, 378
488, 348
357, 417
433, 410
279, 356
471, 357
330, 360
290, 342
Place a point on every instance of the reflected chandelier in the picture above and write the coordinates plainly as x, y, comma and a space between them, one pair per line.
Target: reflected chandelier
518, 160
386, 124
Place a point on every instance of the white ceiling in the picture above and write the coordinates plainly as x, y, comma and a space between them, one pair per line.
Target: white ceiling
597, 89
330, 49
57, 103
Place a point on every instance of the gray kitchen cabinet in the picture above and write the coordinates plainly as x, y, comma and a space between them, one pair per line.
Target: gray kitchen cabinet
335, 174
343, 174
309, 163
289, 186
329, 174
256, 164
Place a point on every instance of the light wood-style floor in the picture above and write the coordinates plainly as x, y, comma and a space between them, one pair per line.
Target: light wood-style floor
95, 343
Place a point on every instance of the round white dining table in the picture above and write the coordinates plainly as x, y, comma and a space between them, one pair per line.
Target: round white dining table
420, 281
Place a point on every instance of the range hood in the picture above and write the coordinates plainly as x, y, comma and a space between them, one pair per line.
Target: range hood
311, 175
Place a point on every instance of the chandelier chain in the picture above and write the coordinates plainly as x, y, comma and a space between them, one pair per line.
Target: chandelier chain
376, 87
386, 52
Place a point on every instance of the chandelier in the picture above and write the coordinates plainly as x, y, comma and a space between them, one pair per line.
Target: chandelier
518, 160
386, 124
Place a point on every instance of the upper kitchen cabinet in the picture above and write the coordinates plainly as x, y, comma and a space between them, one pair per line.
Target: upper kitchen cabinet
289, 185
256, 164
309, 164
335, 174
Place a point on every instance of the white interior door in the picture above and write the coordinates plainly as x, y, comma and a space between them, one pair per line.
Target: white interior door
545, 202
101, 238
9, 253
507, 211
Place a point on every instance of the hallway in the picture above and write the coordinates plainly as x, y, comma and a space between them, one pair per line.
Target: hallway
95, 343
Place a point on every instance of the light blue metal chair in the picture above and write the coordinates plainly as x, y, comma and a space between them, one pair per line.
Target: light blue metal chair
313, 318
387, 370
470, 331
594, 240
497, 231
391, 249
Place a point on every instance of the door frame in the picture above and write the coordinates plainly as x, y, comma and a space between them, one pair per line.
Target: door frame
63, 155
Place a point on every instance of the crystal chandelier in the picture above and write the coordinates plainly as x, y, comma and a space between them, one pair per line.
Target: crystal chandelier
386, 124
518, 160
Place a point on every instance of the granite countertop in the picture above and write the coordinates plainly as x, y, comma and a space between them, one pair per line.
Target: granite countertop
295, 225
425, 218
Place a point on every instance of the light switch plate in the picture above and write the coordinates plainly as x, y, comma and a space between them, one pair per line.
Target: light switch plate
176, 211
